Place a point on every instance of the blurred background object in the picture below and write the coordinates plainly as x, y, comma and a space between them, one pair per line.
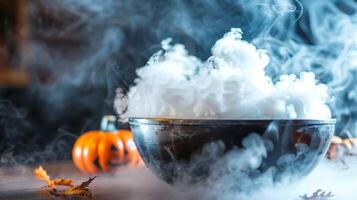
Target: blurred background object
14, 33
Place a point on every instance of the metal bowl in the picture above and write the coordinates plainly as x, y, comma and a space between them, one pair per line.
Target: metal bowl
168, 146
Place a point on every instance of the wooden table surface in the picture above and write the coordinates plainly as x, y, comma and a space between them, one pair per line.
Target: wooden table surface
139, 183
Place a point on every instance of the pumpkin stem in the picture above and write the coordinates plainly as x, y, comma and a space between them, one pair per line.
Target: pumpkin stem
108, 123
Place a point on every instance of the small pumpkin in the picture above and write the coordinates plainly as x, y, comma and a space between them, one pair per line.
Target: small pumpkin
96, 151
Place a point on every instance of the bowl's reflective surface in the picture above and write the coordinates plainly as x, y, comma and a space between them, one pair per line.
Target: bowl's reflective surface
168, 145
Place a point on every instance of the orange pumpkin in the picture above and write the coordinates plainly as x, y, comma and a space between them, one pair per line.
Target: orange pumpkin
98, 150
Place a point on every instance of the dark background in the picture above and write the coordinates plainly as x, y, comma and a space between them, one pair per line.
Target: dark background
61, 61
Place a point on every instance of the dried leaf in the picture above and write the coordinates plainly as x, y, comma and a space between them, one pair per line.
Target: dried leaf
73, 192
318, 195
85, 184
63, 182
78, 192
41, 174
81, 190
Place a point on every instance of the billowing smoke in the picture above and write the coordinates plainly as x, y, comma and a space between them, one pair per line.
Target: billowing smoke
110, 38
299, 36
231, 177
318, 37
232, 84
80, 51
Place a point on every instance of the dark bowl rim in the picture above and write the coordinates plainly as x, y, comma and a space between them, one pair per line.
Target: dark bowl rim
187, 121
